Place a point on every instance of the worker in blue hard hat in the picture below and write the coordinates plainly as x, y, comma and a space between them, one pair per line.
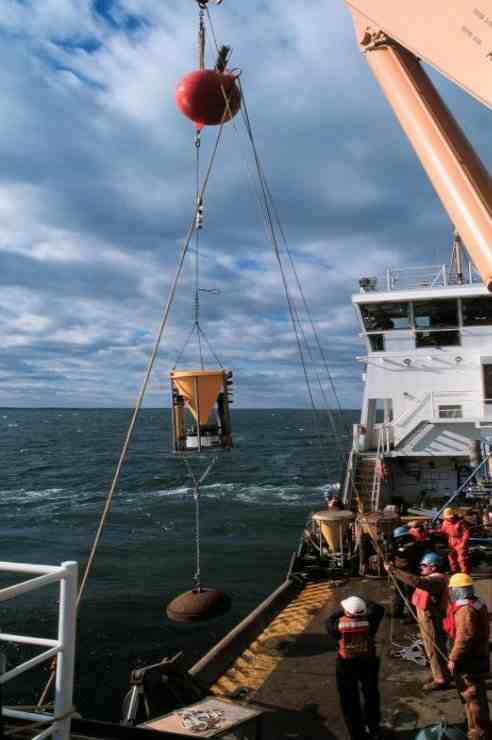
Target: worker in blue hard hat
429, 600
405, 553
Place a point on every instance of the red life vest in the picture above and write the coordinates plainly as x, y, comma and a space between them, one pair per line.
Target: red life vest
355, 642
422, 599
418, 535
448, 621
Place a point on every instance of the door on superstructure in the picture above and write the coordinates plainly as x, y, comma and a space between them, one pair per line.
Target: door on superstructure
487, 390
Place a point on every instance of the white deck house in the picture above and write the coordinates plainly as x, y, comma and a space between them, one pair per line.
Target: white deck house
427, 406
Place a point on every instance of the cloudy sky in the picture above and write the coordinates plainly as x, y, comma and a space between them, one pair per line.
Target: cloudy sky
97, 186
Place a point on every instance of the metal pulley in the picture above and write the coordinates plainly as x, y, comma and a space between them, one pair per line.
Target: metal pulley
198, 605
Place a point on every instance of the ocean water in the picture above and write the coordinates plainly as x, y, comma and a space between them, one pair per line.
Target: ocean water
57, 465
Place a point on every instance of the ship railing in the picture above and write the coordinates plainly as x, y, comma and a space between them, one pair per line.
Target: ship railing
349, 476
430, 276
62, 650
383, 448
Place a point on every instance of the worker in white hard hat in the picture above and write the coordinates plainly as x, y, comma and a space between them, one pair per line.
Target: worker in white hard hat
354, 627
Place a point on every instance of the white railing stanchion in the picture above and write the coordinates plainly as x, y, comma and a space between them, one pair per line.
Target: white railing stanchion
66, 659
59, 722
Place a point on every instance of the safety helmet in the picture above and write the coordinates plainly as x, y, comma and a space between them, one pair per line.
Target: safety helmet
449, 512
400, 532
354, 606
440, 732
432, 558
459, 580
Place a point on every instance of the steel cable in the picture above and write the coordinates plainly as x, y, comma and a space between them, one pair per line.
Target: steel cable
129, 434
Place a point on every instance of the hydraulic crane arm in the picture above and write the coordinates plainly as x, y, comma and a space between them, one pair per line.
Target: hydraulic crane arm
456, 172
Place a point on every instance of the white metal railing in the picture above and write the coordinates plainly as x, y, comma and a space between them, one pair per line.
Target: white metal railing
430, 276
63, 647
349, 475
383, 448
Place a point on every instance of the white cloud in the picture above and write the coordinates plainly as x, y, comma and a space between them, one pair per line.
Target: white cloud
98, 184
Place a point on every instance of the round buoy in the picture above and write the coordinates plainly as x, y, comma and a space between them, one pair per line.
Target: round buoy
198, 605
200, 96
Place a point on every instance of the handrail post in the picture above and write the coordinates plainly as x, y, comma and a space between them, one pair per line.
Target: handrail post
66, 657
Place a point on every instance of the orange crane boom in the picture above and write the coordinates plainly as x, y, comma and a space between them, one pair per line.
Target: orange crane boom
456, 38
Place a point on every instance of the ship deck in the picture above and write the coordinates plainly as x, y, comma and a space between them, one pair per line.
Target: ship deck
289, 669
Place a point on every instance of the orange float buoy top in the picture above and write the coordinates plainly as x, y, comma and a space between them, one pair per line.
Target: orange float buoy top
201, 94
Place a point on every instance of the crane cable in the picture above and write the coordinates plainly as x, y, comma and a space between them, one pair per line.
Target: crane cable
274, 241
196, 327
264, 201
196, 497
308, 312
138, 404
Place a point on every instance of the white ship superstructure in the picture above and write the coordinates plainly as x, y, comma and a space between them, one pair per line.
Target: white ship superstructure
427, 406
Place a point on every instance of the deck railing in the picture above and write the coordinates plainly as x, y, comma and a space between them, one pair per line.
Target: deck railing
430, 276
63, 648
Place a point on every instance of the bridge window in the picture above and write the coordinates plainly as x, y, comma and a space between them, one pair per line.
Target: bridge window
442, 314
385, 316
376, 342
437, 339
477, 311
450, 411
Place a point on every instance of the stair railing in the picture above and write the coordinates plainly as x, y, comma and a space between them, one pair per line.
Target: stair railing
383, 448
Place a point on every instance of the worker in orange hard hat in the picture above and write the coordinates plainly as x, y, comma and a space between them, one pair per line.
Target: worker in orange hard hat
467, 624
457, 532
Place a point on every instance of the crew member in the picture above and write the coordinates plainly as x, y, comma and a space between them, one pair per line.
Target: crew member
467, 624
406, 554
354, 627
335, 503
430, 602
457, 532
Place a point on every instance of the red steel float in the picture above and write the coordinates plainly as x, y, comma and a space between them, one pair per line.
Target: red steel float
201, 94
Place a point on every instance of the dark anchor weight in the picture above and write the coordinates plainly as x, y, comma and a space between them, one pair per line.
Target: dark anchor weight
198, 605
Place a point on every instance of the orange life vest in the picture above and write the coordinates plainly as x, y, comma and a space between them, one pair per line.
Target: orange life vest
424, 600
356, 641
448, 621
